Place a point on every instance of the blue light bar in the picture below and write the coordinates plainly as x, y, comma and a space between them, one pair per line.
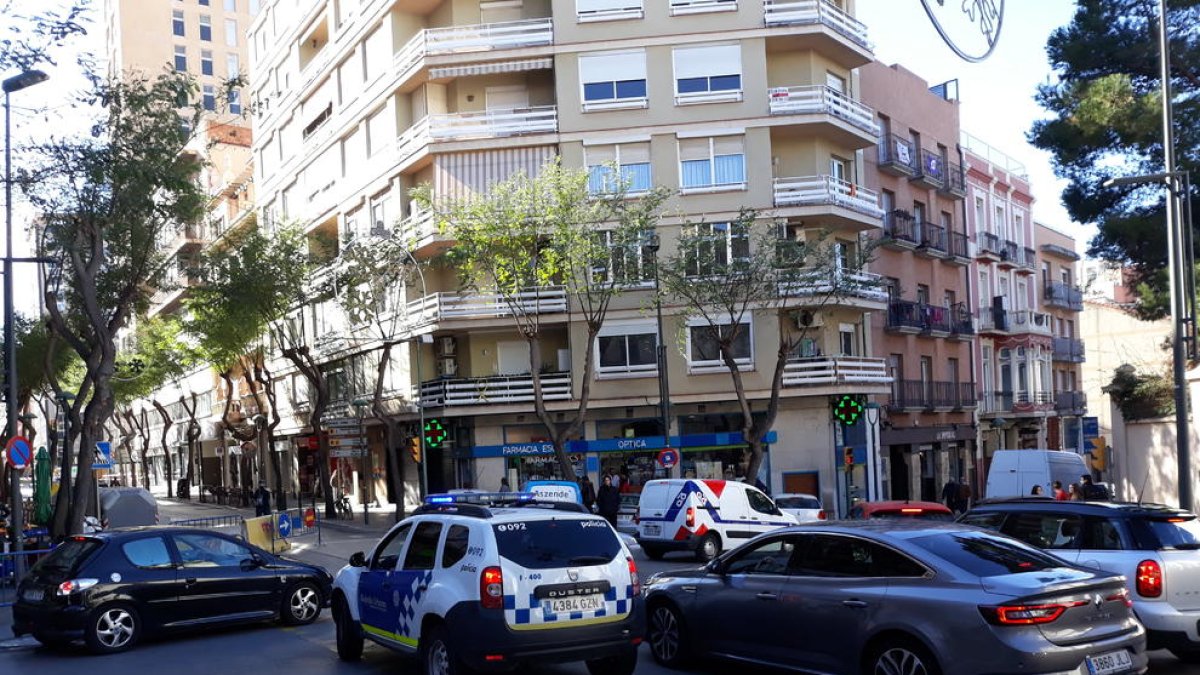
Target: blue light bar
480, 497
439, 499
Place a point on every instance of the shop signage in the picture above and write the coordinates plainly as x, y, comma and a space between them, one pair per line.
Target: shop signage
646, 443
555, 490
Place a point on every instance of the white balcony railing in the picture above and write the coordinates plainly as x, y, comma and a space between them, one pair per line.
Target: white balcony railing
417, 227
819, 371
826, 190
498, 389
841, 283
818, 99
1029, 321
493, 123
794, 12
442, 306
474, 38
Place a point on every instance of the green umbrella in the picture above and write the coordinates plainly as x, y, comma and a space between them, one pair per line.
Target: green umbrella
41, 487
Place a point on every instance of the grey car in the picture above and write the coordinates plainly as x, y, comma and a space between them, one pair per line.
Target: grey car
896, 598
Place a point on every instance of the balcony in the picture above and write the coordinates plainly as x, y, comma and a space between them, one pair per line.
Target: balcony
851, 204
839, 288
1070, 403
962, 327
1027, 321
896, 156
990, 247
1068, 350
494, 390
899, 230
995, 402
438, 307
1061, 251
822, 100
1063, 296
993, 320
932, 240
931, 171
1010, 254
186, 239
472, 38
933, 396
419, 232
464, 126
843, 36
960, 248
956, 182
915, 318
826, 371
1026, 260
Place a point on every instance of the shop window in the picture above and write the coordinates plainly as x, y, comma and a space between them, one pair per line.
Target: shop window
704, 350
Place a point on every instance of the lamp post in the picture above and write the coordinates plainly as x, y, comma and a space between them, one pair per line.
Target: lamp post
364, 459
652, 244
15, 83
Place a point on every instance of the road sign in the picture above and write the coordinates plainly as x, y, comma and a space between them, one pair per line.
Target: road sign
668, 457
103, 458
341, 422
1091, 427
346, 442
17, 452
310, 517
284, 528
347, 453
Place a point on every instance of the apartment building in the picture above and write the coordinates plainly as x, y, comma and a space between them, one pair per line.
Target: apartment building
928, 432
752, 104
1062, 300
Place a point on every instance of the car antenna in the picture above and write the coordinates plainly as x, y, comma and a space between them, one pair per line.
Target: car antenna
1143, 489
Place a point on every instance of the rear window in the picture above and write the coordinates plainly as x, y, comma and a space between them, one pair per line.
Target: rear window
69, 555
543, 544
986, 555
797, 503
1176, 533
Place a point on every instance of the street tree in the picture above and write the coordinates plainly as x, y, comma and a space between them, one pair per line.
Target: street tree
724, 274
1105, 121
29, 39
564, 232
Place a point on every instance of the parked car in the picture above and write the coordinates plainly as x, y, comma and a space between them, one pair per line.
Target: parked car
901, 509
703, 516
491, 581
627, 515
112, 588
1013, 473
1156, 548
806, 508
895, 597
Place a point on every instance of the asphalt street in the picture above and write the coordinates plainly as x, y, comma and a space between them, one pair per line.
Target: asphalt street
265, 648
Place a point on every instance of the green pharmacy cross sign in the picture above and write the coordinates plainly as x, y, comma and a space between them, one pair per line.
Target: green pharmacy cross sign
435, 433
847, 409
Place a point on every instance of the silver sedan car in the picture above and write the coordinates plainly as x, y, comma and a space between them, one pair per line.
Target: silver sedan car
896, 598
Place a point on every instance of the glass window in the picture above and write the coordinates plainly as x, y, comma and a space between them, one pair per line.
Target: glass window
761, 503
205, 3
712, 248
235, 101
630, 162
708, 73
150, 552
1179, 533
206, 62
986, 555
253, 7
205, 28
70, 555
207, 550
988, 521
181, 58
230, 5
627, 353
798, 502
546, 544
846, 556
704, 350
209, 98
232, 67
177, 24
231, 33
613, 79
712, 162
455, 548
388, 553
423, 549
1101, 534
599, 10
768, 557
1045, 530
630, 262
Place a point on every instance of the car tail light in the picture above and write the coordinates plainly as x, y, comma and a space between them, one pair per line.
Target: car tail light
633, 576
491, 588
912, 512
691, 517
1149, 579
76, 585
1122, 596
1026, 615
821, 514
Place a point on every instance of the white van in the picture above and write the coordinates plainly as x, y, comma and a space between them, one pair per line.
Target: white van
704, 516
1014, 472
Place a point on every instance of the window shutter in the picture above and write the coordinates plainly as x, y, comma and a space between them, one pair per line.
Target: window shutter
729, 145
601, 154
693, 148
708, 61
613, 66
635, 153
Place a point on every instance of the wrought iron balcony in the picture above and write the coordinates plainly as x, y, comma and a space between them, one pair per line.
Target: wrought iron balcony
1070, 402
956, 181
931, 171
825, 371
932, 395
1028, 260
905, 316
960, 248
493, 390
899, 230
932, 239
819, 99
897, 156
993, 402
1065, 296
1068, 349
990, 246
827, 191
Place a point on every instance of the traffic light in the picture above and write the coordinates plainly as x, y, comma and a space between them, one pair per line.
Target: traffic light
849, 451
847, 409
414, 449
1099, 452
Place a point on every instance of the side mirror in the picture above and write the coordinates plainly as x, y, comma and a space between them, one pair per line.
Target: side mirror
715, 567
252, 563
357, 559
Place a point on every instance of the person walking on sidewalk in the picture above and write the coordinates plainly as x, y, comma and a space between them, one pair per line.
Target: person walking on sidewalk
262, 500
608, 501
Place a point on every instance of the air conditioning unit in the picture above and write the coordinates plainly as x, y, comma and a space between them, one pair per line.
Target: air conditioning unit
447, 366
446, 346
807, 319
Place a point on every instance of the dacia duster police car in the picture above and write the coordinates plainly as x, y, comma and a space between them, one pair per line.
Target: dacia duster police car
489, 581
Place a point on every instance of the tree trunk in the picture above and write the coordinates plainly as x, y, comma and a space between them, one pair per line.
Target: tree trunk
557, 438
167, 423
193, 435
394, 463
267, 386
304, 362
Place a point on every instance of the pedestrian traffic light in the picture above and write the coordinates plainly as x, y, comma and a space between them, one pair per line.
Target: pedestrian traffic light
414, 449
849, 457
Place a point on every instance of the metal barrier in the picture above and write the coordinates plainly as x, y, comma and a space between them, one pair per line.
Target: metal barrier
299, 526
13, 565
232, 524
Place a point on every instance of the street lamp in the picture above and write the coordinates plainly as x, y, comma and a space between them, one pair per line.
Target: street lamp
364, 462
653, 244
15, 83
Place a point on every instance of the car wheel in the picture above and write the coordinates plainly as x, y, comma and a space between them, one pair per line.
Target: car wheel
668, 641
622, 664
112, 628
901, 657
349, 633
436, 656
301, 606
710, 547
1187, 656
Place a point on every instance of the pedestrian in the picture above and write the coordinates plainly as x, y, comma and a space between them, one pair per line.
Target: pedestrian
1059, 493
1073, 493
588, 495
1036, 491
950, 494
615, 479
262, 500
608, 501
963, 499
1089, 491
504, 486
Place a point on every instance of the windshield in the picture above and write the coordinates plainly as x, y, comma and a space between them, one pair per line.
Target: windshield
920, 514
797, 503
543, 544
1176, 533
986, 555
69, 555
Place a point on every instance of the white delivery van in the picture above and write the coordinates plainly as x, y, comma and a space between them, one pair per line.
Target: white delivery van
704, 516
1013, 473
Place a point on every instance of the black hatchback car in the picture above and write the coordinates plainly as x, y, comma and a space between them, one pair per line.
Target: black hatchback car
110, 589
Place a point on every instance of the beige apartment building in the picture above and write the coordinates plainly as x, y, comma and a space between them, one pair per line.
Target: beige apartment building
1062, 299
928, 432
751, 104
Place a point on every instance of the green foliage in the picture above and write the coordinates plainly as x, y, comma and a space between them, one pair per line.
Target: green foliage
28, 40
33, 341
1106, 122
1141, 397
158, 354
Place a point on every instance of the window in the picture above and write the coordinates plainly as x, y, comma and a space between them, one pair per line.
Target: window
987, 521
235, 101
767, 557
551, 544
761, 503
231, 33
623, 349
254, 7
381, 206
712, 248
230, 5
679, 7
150, 552
1045, 530
986, 555
205, 28
177, 25
980, 226
629, 263
613, 80
708, 74
207, 550
206, 61
205, 3
842, 556
835, 82
388, 553
840, 169
423, 549
381, 131
705, 351
1101, 534
181, 58
455, 548
846, 339
232, 67
712, 163
209, 98
607, 10
632, 161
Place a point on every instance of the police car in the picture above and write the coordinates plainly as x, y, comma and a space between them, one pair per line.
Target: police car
488, 581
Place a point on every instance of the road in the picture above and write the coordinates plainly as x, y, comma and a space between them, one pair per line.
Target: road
311, 650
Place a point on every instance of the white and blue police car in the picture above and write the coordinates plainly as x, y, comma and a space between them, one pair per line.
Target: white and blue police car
489, 581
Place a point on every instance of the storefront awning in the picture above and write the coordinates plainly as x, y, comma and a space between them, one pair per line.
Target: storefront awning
686, 443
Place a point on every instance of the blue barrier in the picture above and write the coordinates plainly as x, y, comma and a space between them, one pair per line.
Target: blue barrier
13, 565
